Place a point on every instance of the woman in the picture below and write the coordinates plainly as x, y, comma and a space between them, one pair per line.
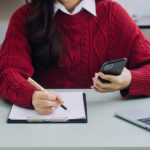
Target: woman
63, 44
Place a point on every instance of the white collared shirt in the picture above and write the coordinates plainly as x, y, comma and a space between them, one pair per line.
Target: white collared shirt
89, 5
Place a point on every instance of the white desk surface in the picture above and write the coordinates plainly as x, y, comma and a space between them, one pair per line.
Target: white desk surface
103, 131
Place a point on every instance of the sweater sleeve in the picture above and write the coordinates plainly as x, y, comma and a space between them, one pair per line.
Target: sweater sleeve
15, 62
136, 48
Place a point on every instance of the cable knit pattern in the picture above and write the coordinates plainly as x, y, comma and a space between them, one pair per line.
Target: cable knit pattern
85, 55
90, 41
112, 25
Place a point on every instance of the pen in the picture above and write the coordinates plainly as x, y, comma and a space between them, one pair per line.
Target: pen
39, 87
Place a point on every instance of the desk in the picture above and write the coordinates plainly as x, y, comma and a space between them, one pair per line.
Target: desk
103, 131
144, 22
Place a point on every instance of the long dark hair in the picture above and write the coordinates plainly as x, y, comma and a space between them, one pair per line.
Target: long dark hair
44, 37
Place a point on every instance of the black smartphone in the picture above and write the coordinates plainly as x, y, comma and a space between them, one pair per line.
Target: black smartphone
114, 67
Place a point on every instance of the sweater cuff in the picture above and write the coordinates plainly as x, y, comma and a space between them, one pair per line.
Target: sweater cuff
25, 96
138, 85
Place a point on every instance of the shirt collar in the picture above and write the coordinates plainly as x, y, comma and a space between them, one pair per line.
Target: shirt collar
88, 5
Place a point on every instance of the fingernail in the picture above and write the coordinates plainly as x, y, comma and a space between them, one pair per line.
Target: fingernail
101, 74
96, 74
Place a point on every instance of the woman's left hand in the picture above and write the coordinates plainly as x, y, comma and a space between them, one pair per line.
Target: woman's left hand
119, 82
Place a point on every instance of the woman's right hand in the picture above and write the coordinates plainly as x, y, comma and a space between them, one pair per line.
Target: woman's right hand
45, 103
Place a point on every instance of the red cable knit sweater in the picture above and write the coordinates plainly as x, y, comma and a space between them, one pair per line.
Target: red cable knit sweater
90, 42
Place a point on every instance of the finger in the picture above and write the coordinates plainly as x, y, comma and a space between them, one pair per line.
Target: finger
58, 97
54, 93
100, 90
106, 86
102, 85
45, 103
110, 78
46, 110
54, 108
59, 100
103, 90
96, 74
94, 89
97, 88
46, 96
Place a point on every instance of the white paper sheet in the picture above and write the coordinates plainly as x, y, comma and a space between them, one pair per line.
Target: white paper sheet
72, 100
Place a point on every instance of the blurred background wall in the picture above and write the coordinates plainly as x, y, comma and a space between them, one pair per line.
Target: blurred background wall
7, 7
136, 7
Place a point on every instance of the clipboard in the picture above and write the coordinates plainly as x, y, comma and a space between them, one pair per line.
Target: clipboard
54, 120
